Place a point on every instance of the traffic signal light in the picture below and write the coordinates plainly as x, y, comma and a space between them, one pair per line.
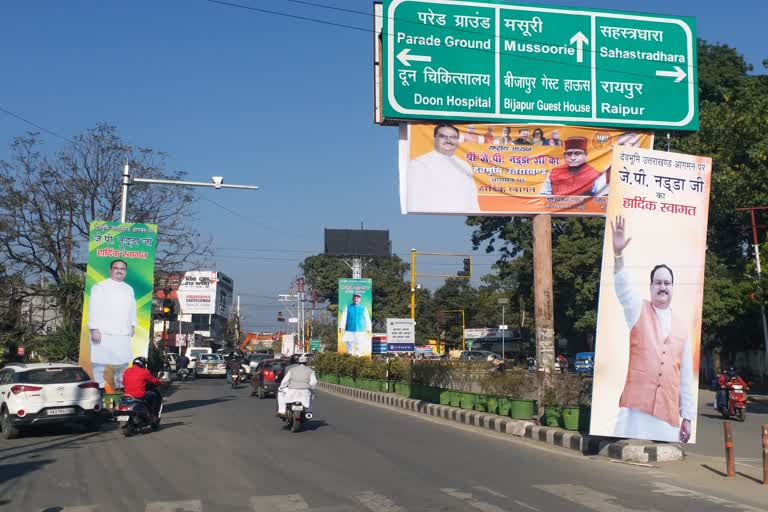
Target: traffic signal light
169, 308
280, 316
467, 272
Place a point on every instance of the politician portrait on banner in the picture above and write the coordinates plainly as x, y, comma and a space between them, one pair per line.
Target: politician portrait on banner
354, 320
476, 169
651, 296
117, 305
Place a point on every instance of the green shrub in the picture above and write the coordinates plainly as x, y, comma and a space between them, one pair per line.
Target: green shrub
516, 384
568, 390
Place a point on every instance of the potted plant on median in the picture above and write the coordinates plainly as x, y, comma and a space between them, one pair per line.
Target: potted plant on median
567, 401
511, 394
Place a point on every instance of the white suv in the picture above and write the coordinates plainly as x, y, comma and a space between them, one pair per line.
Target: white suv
46, 393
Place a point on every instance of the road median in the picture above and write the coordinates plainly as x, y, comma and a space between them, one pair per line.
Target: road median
629, 450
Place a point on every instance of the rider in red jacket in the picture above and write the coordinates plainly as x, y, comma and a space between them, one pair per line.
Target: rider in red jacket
135, 380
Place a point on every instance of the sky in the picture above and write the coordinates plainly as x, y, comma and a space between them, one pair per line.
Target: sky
282, 101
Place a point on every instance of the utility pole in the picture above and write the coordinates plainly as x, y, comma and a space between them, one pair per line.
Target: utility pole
542, 293
217, 182
759, 280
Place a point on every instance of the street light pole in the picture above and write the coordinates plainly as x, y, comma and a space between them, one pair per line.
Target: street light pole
217, 182
503, 301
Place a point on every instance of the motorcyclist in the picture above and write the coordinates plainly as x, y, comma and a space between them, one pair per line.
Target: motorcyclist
233, 366
531, 364
182, 363
298, 383
135, 380
563, 363
725, 381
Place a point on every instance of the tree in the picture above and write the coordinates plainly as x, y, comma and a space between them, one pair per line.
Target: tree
47, 202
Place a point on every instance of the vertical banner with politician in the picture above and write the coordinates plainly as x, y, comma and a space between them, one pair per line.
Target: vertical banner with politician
651, 296
354, 321
117, 307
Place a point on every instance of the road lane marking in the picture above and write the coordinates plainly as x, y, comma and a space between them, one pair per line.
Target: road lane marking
586, 497
278, 503
175, 506
679, 492
80, 508
377, 503
525, 505
489, 491
467, 498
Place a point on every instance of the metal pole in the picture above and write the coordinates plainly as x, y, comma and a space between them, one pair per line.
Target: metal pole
502, 333
124, 195
357, 268
760, 285
413, 286
463, 340
765, 454
730, 458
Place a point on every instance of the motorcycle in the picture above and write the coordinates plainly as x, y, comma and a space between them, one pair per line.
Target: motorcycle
238, 377
183, 374
296, 415
133, 415
736, 404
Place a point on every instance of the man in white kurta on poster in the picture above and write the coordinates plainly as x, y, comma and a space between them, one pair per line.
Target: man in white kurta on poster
657, 401
439, 181
111, 322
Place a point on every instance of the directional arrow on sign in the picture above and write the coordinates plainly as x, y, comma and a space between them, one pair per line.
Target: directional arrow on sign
580, 39
678, 73
405, 57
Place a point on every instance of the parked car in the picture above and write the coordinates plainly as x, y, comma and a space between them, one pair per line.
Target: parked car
45, 394
267, 377
478, 355
585, 363
210, 365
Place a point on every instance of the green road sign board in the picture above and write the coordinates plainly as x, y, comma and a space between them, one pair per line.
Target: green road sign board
487, 61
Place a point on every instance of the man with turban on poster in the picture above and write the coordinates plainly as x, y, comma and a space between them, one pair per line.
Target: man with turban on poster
576, 177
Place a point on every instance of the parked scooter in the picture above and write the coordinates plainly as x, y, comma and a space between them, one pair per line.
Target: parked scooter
736, 404
133, 414
296, 415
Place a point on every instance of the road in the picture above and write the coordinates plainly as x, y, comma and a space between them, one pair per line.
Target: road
747, 436
222, 450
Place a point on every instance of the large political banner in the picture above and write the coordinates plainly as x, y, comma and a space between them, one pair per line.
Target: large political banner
492, 169
117, 307
651, 296
354, 321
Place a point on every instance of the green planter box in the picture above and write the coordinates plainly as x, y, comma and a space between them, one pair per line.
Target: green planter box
553, 415
468, 401
481, 403
363, 383
521, 409
432, 394
444, 397
387, 386
403, 389
505, 404
576, 418
492, 405
347, 381
454, 398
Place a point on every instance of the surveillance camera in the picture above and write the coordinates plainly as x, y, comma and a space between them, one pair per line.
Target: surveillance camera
217, 181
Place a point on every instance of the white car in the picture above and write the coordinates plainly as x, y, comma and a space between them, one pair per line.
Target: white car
210, 364
47, 393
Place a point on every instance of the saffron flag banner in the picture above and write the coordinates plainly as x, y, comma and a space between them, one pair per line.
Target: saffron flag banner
651, 296
354, 322
117, 307
492, 169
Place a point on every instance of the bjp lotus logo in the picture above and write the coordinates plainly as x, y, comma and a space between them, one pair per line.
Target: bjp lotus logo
602, 140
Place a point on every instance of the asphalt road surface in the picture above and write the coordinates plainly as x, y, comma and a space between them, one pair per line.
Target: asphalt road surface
223, 450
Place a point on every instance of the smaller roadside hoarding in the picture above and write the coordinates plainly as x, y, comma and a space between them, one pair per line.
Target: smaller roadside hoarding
355, 325
288, 345
651, 296
197, 292
401, 335
379, 343
514, 169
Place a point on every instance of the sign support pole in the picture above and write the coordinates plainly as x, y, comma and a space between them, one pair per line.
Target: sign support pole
542, 292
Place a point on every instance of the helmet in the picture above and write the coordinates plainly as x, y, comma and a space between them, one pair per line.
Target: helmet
303, 359
732, 371
140, 361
